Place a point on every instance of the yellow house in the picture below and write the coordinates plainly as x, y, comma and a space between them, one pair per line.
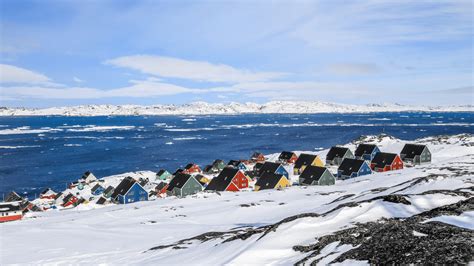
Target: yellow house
305, 160
272, 181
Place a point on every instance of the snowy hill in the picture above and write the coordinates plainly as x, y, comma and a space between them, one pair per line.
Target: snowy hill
203, 108
414, 215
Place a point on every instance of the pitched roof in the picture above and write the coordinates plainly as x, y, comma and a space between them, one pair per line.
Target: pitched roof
86, 175
208, 168
160, 186
336, 151
268, 180
234, 163
312, 173
178, 181
286, 155
96, 187
47, 191
124, 186
381, 159
217, 162
13, 196
222, 181
257, 166
364, 149
179, 170
305, 159
161, 172
256, 155
68, 197
189, 165
58, 195
9, 206
101, 201
349, 166
411, 150
268, 167
108, 190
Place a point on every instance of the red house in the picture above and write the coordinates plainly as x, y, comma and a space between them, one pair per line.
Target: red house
287, 157
383, 161
10, 211
69, 200
161, 188
192, 168
48, 194
257, 157
230, 179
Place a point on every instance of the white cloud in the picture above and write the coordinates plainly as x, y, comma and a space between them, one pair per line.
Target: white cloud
169, 67
78, 80
13, 74
353, 69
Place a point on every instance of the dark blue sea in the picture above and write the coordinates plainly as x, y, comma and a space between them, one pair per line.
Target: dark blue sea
39, 152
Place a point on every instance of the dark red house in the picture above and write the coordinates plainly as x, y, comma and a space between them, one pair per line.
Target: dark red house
230, 179
192, 168
384, 161
69, 200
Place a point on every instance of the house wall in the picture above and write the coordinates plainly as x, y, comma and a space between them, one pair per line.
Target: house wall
283, 183
282, 171
240, 180
425, 156
191, 187
364, 170
136, 193
327, 179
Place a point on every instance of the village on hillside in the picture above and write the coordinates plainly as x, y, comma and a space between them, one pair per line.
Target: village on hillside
259, 172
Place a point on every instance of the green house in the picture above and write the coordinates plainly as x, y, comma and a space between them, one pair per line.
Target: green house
415, 154
316, 175
337, 154
219, 164
163, 175
182, 185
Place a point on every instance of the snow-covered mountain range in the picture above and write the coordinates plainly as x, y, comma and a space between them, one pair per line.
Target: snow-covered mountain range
203, 108
422, 214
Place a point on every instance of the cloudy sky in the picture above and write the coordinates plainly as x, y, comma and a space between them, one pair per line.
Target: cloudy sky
56, 53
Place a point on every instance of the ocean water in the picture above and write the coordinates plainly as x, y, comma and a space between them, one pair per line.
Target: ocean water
39, 152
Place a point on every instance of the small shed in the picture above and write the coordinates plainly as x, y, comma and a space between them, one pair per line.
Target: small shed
351, 168
305, 160
316, 175
182, 185
384, 161
366, 151
415, 154
337, 154
271, 181
101, 201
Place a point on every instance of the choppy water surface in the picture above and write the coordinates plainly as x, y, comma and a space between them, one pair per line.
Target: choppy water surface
38, 152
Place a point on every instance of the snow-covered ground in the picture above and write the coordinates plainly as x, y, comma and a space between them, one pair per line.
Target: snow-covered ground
247, 227
203, 108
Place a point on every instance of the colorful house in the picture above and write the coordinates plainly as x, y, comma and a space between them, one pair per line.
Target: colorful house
237, 165
10, 211
273, 168
160, 189
305, 160
366, 152
271, 181
209, 169
87, 178
129, 191
384, 161
257, 157
97, 190
182, 185
337, 154
287, 157
218, 164
69, 200
415, 154
230, 179
350, 168
163, 175
108, 192
316, 175
48, 193
192, 168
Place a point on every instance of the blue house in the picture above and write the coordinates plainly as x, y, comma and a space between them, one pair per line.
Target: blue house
129, 191
97, 190
273, 168
366, 152
351, 168
237, 165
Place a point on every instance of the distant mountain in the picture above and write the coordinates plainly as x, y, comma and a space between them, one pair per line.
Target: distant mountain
203, 108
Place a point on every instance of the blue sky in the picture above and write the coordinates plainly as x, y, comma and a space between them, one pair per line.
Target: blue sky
56, 53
